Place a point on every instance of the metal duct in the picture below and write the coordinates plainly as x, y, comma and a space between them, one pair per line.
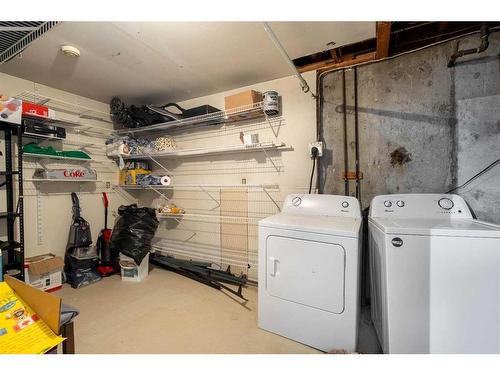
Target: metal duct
16, 36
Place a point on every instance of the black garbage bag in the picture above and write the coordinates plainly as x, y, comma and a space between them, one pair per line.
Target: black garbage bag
134, 231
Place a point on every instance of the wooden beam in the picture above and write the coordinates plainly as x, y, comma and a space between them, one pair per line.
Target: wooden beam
335, 55
316, 65
383, 39
331, 64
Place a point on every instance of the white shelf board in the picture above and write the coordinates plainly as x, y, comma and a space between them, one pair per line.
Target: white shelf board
64, 106
77, 126
183, 186
73, 142
38, 156
233, 115
59, 180
211, 217
268, 146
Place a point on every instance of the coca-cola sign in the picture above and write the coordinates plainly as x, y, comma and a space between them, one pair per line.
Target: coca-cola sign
75, 173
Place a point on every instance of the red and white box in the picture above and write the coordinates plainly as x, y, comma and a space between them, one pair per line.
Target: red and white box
44, 272
37, 110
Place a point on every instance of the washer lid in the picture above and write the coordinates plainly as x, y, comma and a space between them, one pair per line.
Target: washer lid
323, 224
438, 227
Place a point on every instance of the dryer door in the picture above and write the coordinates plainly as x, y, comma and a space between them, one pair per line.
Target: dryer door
307, 272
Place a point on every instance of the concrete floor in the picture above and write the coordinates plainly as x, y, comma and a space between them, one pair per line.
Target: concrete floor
169, 313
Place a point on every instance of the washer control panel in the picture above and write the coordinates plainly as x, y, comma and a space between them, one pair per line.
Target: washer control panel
296, 201
419, 206
322, 205
446, 203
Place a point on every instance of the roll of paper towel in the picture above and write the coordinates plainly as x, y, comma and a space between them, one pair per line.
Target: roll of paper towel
165, 180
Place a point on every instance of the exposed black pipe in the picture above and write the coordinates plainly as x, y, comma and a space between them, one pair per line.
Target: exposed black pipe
482, 47
319, 126
356, 134
346, 160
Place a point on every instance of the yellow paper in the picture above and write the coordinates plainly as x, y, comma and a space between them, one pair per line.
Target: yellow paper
21, 330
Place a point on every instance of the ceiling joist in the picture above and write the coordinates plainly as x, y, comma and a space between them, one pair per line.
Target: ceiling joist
383, 39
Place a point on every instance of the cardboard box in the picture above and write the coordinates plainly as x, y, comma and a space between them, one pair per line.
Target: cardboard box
36, 331
245, 98
37, 110
10, 109
44, 272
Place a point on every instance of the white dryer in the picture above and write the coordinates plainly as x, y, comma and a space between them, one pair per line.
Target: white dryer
435, 275
309, 271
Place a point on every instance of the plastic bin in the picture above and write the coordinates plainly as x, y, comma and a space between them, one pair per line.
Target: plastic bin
132, 272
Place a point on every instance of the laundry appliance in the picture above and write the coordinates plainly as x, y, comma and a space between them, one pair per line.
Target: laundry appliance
309, 260
435, 275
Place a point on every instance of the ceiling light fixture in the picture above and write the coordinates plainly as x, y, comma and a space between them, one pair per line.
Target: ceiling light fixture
70, 51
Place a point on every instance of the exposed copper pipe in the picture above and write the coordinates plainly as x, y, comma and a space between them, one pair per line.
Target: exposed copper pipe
481, 48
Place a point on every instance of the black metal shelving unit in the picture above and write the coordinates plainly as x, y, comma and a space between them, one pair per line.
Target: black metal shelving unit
13, 248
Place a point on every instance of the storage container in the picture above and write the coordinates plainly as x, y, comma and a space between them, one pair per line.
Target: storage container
130, 271
245, 98
44, 272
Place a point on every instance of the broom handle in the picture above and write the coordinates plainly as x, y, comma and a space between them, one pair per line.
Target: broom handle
105, 198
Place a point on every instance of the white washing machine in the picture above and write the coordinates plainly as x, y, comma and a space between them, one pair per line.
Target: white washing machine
435, 275
309, 271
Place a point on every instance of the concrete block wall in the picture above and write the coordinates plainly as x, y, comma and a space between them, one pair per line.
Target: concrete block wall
447, 120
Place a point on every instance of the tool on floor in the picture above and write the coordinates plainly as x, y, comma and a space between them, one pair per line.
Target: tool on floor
202, 272
108, 260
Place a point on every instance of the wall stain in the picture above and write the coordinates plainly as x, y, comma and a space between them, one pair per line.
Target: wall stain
400, 156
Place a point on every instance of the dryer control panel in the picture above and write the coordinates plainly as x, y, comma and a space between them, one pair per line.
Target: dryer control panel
419, 206
322, 204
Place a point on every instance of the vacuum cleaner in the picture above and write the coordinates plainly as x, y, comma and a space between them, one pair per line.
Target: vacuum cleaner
108, 259
80, 260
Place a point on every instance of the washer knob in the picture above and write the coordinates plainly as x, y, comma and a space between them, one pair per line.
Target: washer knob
446, 203
388, 203
345, 204
296, 201
400, 203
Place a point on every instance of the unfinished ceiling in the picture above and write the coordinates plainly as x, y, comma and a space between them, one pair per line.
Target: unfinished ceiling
155, 62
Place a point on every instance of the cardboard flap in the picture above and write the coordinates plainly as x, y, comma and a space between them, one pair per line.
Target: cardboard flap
46, 305
43, 264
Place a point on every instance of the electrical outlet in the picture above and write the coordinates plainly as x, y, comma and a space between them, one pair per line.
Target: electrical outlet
319, 146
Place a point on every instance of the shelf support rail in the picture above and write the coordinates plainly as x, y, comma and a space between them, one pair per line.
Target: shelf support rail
271, 160
211, 197
269, 122
270, 197
155, 161
164, 197
128, 197
39, 219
